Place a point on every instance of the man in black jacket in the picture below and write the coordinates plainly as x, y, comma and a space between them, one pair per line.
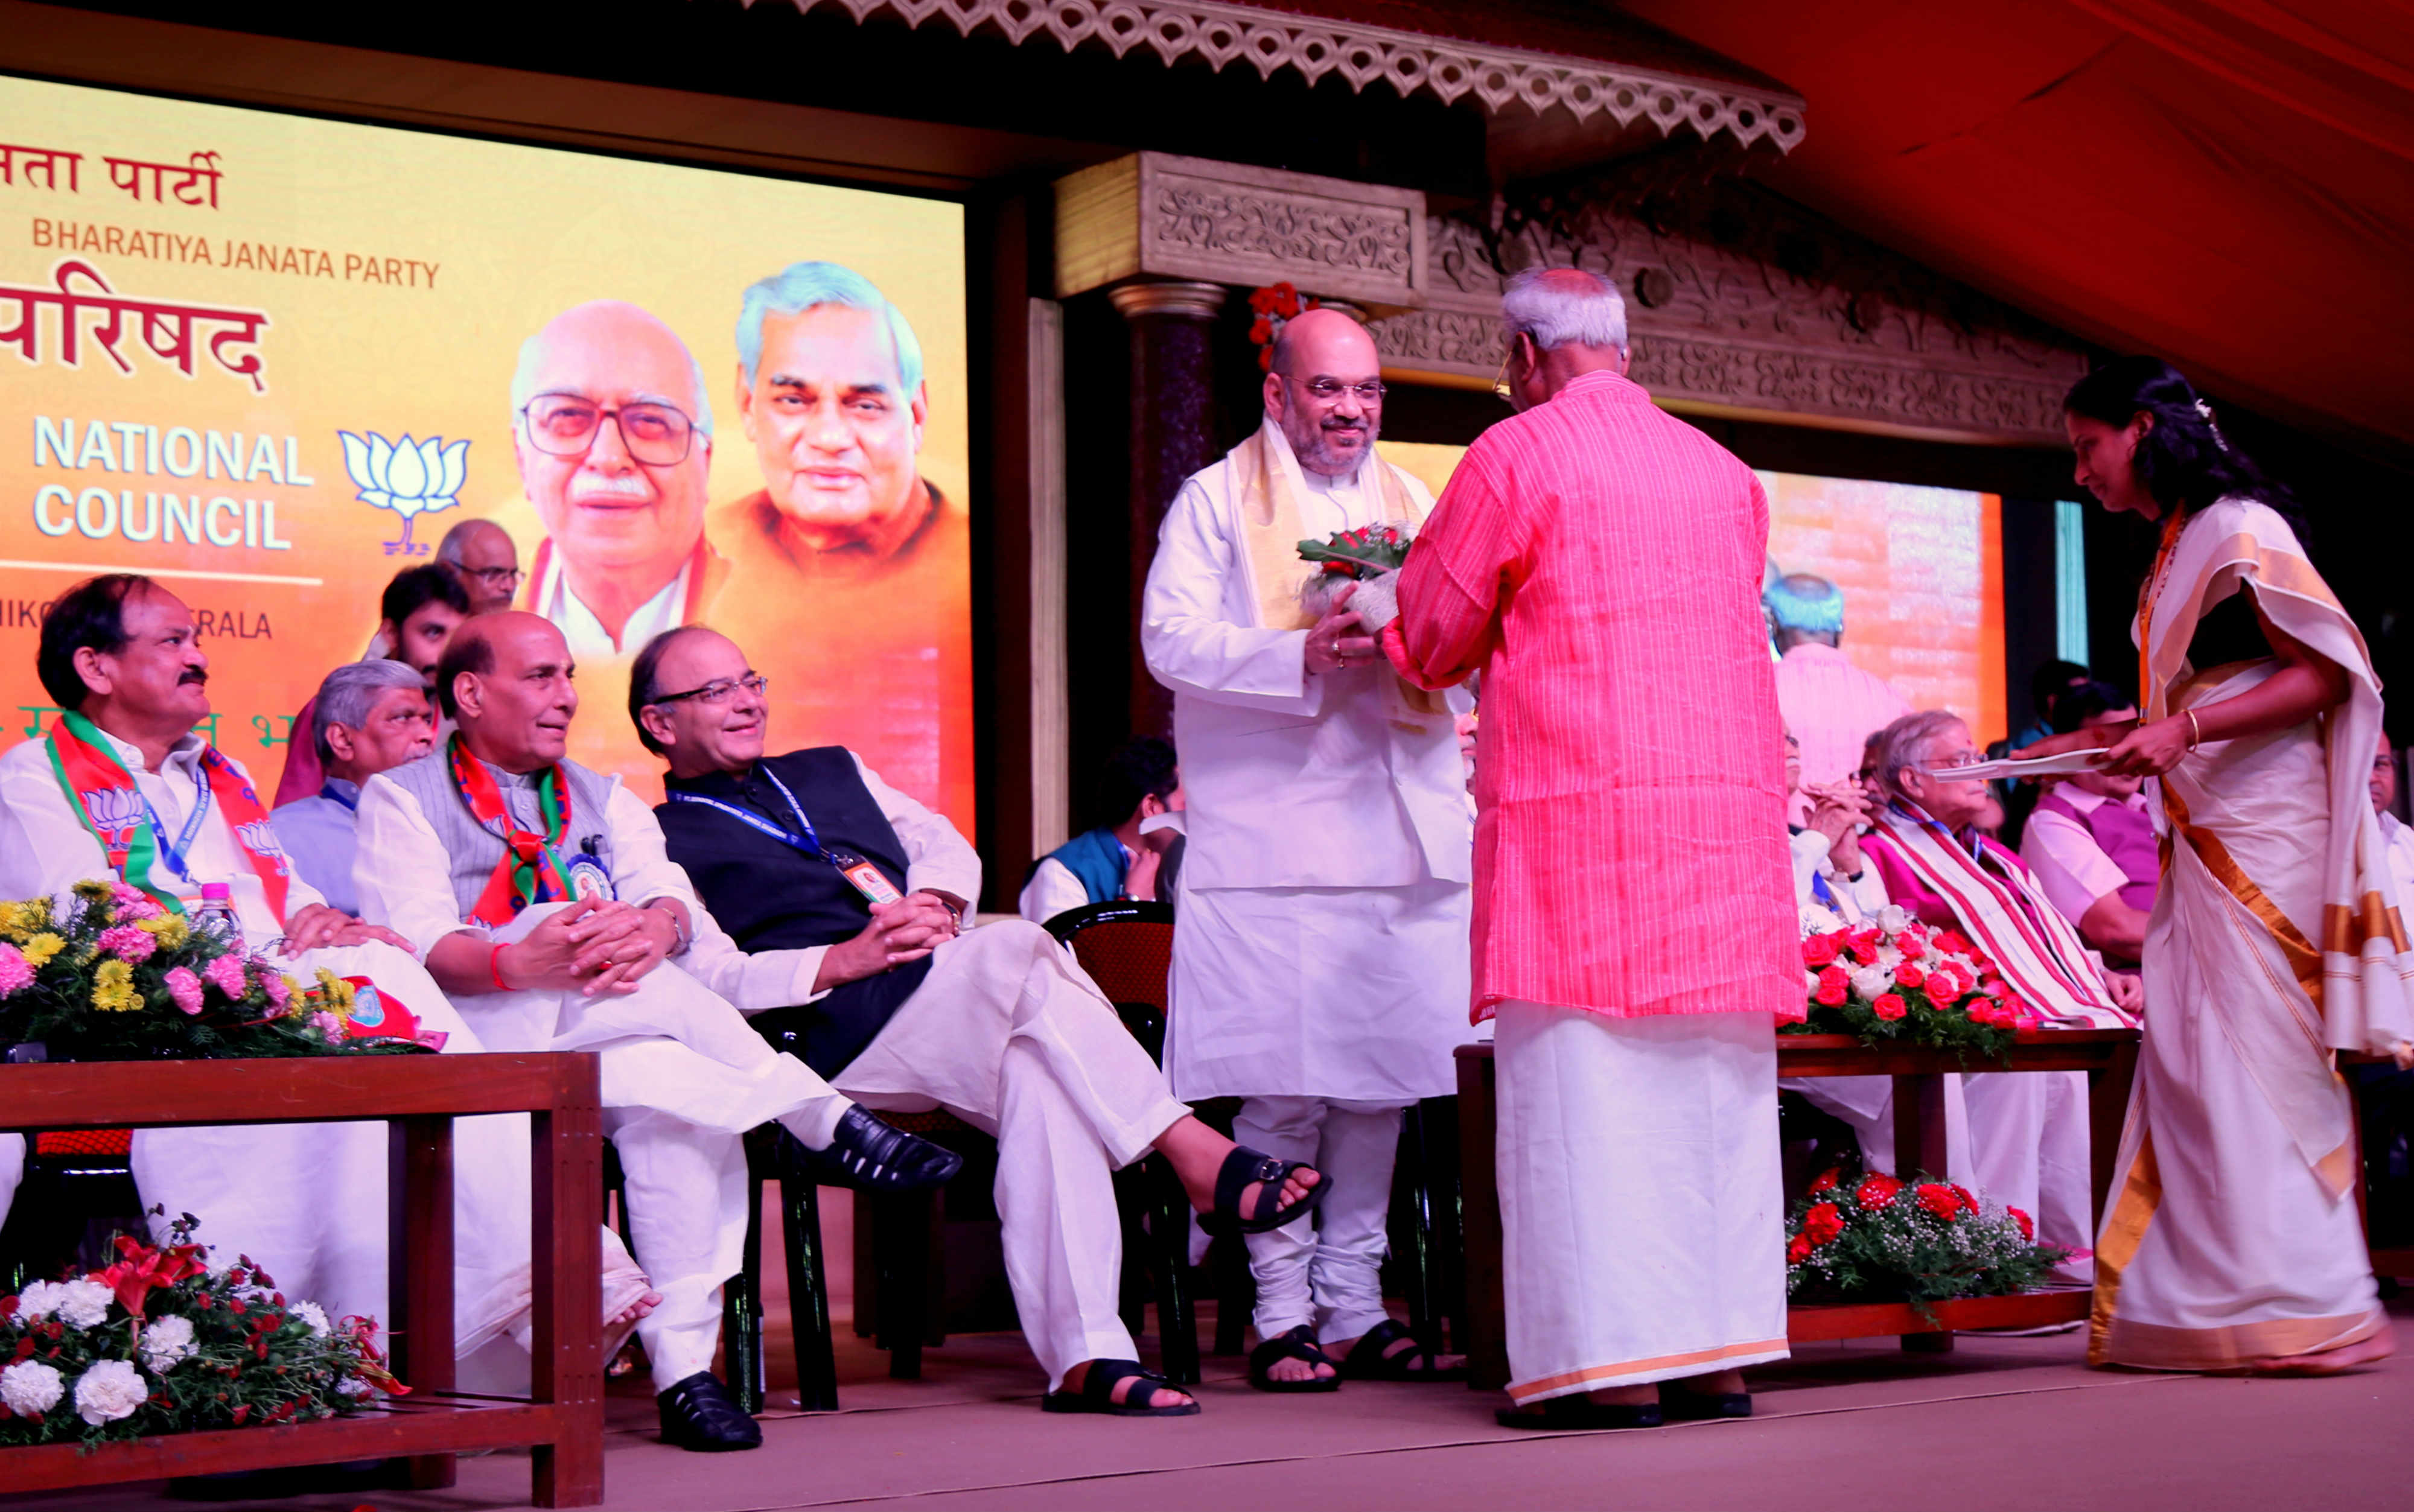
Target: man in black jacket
811, 852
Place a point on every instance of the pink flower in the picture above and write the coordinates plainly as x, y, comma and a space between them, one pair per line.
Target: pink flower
226, 974
134, 904
328, 1026
16, 972
1889, 1007
271, 983
127, 944
186, 988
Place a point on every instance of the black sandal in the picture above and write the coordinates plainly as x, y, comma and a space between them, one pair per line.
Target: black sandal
1098, 1393
1368, 1360
1298, 1344
1242, 1167
1579, 1411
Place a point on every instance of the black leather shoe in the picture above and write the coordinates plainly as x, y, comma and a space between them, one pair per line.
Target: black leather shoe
698, 1415
868, 1154
1681, 1404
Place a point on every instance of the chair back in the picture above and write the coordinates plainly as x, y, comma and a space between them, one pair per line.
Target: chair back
1127, 947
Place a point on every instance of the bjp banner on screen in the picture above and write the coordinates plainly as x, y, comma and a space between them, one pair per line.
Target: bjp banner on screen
270, 361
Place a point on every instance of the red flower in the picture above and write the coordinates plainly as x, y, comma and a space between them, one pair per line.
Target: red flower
1969, 1203
1819, 950
1909, 977
1865, 943
1889, 1006
1946, 986
1835, 984
1943, 1201
143, 1268
1877, 1189
2028, 1224
1954, 942
1827, 1181
1822, 1224
1797, 1250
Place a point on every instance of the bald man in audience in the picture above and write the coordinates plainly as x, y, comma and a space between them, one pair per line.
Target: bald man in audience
481, 552
614, 437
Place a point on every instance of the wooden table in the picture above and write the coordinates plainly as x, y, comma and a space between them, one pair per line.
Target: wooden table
419, 1096
2110, 1055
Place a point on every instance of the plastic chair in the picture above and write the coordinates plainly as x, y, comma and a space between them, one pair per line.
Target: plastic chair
72, 1177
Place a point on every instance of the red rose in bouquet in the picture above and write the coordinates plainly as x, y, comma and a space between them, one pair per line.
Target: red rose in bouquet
1865, 943
1943, 1201
2028, 1224
1946, 986
1827, 1180
1909, 977
1877, 1191
1835, 986
1822, 1224
1889, 1006
1819, 950
1953, 942
1797, 1250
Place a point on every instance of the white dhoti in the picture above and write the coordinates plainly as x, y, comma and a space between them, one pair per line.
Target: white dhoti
1006, 1034
2030, 1142
683, 1080
1641, 1200
1327, 1010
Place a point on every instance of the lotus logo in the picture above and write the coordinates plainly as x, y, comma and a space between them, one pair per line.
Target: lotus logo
261, 839
411, 477
113, 809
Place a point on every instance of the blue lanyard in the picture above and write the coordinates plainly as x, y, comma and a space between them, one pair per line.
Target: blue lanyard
1820, 890
174, 855
329, 791
808, 843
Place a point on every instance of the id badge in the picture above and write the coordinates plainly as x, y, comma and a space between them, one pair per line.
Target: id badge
588, 880
869, 880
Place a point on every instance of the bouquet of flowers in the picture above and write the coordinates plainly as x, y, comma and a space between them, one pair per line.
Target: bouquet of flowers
1351, 556
158, 1342
1878, 1240
1895, 981
107, 973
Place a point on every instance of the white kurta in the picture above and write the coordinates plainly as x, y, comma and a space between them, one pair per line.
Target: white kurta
1322, 948
309, 1201
683, 1075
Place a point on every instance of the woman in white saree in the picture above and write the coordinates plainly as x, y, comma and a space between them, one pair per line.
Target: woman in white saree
2233, 1241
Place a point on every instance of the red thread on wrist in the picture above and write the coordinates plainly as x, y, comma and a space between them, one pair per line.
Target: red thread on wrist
495, 968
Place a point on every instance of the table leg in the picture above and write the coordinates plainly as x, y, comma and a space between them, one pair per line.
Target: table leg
566, 1245
419, 1277
1486, 1326
2108, 1113
1920, 1149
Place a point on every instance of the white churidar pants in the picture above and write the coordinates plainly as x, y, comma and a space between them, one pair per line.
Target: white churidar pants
683, 1079
1641, 1200
2030, 1148
1326, 1272
1867, 1104
1007, 1034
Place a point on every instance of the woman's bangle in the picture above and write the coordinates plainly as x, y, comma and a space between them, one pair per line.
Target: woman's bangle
2196, 735
495, 968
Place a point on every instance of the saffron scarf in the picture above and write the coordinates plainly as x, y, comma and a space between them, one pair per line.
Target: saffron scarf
1270, 484
103, 795
531, 869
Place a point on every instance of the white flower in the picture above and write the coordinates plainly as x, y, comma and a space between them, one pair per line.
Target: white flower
166, 1340
39, 1300
352, 1386
1810, 981
30, 1388
1872, 980
108, 1390
312, 1315
83, 1302
1818, 919
1889, 957
1892, 919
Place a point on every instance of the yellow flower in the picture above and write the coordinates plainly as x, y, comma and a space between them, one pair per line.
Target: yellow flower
14, 924
112, 988
93, 891
335, 994
171, 931
41, 947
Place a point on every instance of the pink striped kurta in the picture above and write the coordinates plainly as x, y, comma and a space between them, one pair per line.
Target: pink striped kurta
1600, 562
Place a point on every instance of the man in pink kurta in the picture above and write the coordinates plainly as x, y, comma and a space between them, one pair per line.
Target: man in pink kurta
1599, 562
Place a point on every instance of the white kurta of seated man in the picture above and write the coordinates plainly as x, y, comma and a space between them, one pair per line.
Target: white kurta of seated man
1322, 944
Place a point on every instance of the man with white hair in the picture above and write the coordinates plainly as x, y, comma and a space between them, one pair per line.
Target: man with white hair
1320, 957
614, 439
2027, 1130
369, 716
1831, 705
1599, 561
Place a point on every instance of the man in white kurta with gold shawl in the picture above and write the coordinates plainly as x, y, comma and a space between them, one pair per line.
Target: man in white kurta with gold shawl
2233, 1240
1320, 958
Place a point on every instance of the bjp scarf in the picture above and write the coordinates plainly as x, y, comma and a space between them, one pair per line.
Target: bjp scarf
531, 869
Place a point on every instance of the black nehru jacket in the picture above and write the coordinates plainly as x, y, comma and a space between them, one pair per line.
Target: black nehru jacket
771, 896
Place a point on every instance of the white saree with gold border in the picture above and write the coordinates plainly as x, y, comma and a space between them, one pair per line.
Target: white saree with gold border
2231, 1233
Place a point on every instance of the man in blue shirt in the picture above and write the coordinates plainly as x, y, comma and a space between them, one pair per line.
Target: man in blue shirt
369, 716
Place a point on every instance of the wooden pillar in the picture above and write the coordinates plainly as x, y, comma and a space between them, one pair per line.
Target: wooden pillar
1172, 436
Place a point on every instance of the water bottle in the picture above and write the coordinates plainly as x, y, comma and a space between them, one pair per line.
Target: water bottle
217, 916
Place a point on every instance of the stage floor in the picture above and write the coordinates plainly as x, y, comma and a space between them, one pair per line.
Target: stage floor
2000, 1423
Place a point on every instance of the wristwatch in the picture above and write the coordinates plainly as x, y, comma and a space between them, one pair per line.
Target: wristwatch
678, 915
953, 913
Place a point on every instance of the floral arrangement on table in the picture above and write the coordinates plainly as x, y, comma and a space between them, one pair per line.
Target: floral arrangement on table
1270, 306
1348, 556
158, 1342
108, 973
1894, 981
1875, 1238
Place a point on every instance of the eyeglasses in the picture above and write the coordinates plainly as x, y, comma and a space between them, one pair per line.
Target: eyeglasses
1327, 390
719, 692
1500, 388
1967, 758
500, 579
564, 426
